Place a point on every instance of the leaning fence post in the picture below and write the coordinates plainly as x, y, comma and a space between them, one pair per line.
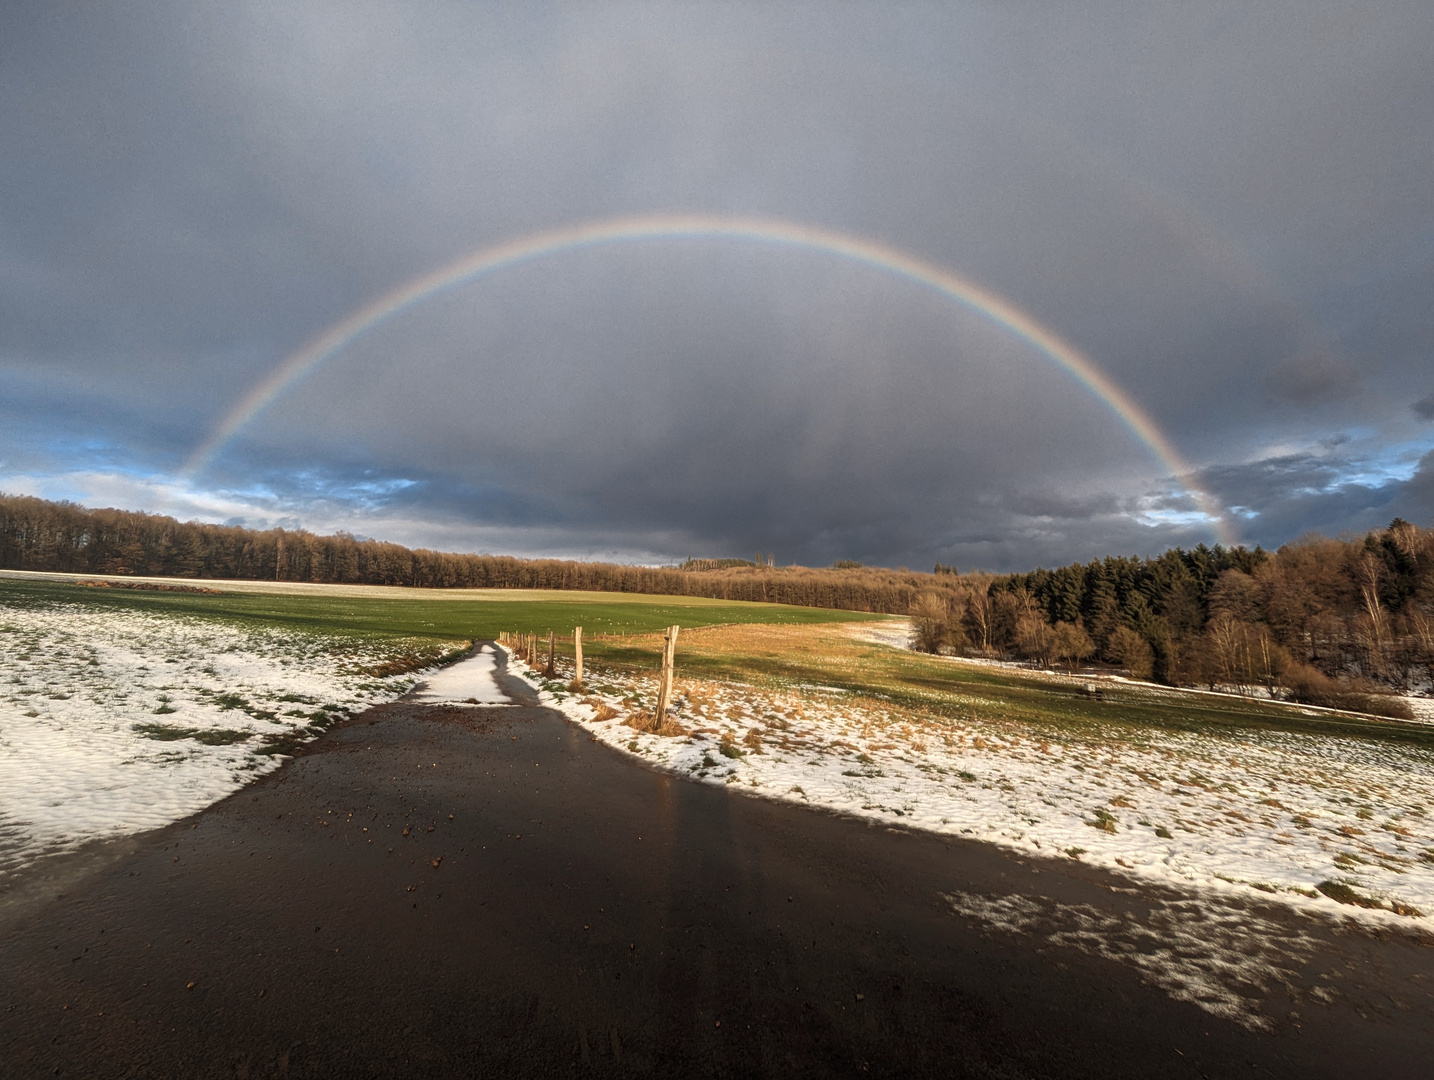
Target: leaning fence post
664, 684
578, 657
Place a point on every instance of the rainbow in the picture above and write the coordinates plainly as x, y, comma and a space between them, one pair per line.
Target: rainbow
869, 253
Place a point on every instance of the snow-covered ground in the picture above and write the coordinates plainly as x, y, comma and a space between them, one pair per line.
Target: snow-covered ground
1423, 707
113, 722
1267, 814
468, 682
895, 633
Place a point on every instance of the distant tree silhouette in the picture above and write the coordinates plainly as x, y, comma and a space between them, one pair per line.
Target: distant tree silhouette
1357, 613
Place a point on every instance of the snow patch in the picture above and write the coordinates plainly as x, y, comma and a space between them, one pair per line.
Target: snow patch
894, 634
1223, 958
469, 682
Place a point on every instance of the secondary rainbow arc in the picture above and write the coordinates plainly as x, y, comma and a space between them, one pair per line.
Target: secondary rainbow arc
870, 253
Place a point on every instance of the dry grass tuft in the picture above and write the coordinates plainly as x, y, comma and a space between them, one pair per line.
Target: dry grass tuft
601, 709
642, 720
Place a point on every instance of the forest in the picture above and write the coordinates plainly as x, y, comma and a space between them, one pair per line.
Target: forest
1341, 622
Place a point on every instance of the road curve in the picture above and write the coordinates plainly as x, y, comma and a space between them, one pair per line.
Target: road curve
443, 891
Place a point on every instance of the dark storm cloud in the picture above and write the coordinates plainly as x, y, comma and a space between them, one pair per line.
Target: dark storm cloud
1417, 498
1287, 496
1314, 377
1228, 210
1424, 407
1056, 505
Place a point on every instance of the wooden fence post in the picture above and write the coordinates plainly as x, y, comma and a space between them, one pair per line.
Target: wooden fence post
664, 683
578, 657
551, 670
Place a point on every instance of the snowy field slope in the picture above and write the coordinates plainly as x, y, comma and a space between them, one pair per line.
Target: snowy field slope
1320, 822
113, 722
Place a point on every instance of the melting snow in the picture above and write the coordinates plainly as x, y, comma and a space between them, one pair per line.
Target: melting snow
1223, 958
114, 722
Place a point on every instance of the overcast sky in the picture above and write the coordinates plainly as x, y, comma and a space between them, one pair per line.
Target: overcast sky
1228, 208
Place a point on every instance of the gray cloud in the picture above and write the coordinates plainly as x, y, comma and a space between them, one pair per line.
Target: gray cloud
1216, 207
1424, 407
1290, 495
1417, 497
1313, 378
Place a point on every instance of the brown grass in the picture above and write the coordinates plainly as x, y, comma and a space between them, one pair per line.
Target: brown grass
601, 709
642, 720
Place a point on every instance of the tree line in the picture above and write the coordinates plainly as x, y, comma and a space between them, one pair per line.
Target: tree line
36, 534
1320, 620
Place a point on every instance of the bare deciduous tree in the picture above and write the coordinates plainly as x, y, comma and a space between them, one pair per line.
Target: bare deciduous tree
1132, 652
1070, 644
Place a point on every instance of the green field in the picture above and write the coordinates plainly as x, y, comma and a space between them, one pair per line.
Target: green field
622, 630
412, 613
785, 658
